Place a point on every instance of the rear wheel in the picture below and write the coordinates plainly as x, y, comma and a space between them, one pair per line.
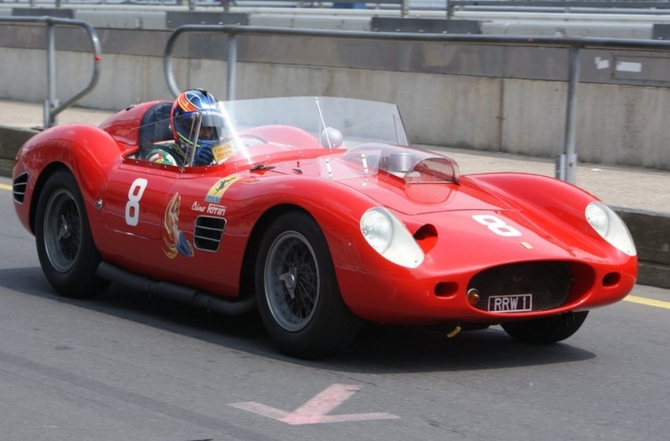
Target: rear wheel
298, 297
65, 246
547, 329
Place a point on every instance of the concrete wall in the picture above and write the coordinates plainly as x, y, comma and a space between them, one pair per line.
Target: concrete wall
650, 232
617, 123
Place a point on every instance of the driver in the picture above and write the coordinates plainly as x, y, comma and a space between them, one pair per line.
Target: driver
183, 124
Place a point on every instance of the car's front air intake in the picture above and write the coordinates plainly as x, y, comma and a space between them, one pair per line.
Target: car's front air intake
520, 287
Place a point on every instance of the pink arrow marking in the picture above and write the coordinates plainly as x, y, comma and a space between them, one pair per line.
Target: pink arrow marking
314, 411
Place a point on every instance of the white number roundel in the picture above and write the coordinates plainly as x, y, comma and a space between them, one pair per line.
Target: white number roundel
133, 205
496, 225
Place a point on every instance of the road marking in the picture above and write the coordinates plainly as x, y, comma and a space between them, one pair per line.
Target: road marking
648, 302
314, 411
5, 187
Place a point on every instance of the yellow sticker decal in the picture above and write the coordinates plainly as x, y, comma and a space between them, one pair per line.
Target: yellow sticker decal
223, 152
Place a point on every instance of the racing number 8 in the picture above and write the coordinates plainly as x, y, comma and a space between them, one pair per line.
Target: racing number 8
496, 225
133, 205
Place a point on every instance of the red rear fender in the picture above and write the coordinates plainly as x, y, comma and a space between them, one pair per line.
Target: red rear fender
88, 152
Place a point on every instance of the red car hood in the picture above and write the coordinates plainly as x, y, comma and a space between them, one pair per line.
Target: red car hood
415, 199
405, 180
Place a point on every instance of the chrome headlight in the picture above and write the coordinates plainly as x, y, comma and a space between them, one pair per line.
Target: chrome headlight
390, 238
610, 226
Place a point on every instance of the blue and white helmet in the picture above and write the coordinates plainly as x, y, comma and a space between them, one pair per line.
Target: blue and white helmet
182, 120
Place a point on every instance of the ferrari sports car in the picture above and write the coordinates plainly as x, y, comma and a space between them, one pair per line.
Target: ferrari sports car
319, 214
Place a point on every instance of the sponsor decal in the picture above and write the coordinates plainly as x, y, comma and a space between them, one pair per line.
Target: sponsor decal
197, 207
174, 240
216, 192
213, 209
216, 210
223, 152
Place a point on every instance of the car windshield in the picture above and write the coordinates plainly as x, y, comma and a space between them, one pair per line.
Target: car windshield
307, 122
369, 136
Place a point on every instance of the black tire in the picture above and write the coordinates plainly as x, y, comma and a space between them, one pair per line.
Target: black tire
547, 329
65, 245
297, 292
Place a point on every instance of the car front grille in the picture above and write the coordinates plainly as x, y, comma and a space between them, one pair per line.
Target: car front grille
547, 282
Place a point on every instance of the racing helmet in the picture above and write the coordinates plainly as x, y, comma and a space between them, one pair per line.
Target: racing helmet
183, 121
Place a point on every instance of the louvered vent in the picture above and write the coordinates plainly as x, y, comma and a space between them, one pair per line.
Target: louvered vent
208, 232
19, 188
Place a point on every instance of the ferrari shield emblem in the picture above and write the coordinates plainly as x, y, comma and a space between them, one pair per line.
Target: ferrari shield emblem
216, 192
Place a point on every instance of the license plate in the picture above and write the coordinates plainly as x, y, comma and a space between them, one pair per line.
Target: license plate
516, 303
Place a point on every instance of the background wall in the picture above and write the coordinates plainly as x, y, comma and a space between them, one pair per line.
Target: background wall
617, 123
483, 97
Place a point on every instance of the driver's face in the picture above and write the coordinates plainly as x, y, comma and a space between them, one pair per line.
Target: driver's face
206, 133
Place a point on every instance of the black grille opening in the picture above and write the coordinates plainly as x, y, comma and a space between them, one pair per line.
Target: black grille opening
208, 232
547, 282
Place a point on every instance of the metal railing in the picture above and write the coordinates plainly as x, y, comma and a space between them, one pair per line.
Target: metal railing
403, 5
561, 6
51, 104
566, 163
60, 3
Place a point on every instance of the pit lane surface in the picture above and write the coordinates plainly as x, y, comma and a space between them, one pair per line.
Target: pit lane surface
128, 367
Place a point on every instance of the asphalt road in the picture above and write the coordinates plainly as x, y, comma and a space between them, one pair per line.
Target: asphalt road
127, 367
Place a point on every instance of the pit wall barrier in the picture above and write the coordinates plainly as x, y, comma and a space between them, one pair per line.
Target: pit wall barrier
651, 232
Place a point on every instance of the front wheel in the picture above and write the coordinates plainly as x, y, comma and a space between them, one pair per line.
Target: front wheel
65, 245
297, 292
546, 329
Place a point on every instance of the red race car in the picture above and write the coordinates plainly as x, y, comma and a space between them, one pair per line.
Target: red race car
318, 213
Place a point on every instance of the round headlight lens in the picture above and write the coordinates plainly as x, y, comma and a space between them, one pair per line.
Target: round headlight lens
377, 229
610, 226
598, 218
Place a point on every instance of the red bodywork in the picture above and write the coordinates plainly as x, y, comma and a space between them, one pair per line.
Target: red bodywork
127, 202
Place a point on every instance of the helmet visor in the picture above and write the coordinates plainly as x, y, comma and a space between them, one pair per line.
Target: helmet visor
211, 126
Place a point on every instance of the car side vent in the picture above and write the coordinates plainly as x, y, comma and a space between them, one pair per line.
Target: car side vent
19, 188
208, 232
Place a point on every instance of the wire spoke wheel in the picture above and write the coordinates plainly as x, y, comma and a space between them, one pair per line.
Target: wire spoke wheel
297, 292
291, 281
62, 230
65, 246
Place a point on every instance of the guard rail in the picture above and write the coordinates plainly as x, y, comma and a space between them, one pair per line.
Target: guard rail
51, 104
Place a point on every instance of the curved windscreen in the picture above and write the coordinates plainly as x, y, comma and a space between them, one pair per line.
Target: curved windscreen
249, 130
357, 120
